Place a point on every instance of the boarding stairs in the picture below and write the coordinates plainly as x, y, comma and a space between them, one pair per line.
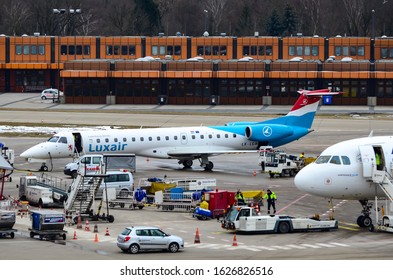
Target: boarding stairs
385, 181
83, 192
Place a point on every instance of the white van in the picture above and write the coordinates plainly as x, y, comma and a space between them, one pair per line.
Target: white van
123, 182
87, 164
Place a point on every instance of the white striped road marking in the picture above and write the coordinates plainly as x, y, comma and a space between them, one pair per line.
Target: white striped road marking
266, 248
339, 244
281, 247
325, 245
311, 246
211, 237
252, 249
296, 246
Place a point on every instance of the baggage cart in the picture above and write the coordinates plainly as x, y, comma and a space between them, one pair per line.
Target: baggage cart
7, 221
8, 232
47, 224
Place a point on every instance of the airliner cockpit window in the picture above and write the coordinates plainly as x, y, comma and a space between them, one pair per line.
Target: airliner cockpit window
63, 140
322, 159
335, 160
346, 160
53, 139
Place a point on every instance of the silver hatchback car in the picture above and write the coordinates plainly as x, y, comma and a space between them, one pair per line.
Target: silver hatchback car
136, 238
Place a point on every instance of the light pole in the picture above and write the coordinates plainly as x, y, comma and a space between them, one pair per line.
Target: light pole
60, 27
206, 13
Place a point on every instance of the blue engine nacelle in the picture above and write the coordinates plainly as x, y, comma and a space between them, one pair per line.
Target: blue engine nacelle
267, 132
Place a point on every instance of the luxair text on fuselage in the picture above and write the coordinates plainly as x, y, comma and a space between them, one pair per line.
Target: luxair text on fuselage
96, 148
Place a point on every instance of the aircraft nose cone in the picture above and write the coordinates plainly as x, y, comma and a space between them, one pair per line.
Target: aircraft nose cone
302, 180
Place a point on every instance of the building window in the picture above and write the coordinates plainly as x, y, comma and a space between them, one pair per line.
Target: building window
26, 49
63, 50
18, 49
109, 50
33, 50
86, 50
131, 50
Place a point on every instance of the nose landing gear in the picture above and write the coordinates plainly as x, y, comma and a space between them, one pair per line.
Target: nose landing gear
364, 220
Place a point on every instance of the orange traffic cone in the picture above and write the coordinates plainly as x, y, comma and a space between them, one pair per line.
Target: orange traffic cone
234, 240
107, 232
87, 228
96, 238
254, 173
197, 239
79, 225
74, 238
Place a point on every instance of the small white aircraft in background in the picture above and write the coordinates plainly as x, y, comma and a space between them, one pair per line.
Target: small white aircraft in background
358, 169
186, 143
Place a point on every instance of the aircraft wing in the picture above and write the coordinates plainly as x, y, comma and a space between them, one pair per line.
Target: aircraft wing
196, 152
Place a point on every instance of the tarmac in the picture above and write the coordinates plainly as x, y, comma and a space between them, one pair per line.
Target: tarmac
32, 101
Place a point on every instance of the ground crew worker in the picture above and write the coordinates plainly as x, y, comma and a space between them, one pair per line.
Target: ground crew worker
271, 200
301, 156
240, 198
378, 160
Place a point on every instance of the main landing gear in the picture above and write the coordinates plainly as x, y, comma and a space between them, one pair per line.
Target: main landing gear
364, 220
205, 163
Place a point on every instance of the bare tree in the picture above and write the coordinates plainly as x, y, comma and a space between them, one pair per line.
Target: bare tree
89, 24
16, 14
216, 9
165, 7
312, 9
355, 10
118, 16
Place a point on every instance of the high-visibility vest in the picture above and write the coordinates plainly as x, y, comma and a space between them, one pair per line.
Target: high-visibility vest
271, 196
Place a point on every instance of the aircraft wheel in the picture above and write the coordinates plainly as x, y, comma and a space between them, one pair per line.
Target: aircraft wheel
187, 163
209, 166
367, 221
359, 221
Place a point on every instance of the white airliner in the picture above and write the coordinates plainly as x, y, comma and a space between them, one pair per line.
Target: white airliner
351, 170
187, 143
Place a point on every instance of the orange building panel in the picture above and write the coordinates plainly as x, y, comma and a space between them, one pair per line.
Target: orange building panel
135, 74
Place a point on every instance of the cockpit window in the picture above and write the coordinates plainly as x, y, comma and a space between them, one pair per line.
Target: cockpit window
53, 139
322, 159
346, 160
63, 140
335, 160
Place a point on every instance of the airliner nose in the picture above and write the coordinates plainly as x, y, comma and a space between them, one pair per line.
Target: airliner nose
26, 154
302, 181
34, 152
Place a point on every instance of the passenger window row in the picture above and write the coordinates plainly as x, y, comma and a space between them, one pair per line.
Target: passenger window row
150, 138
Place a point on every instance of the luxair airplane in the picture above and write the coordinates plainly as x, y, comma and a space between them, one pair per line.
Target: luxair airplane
186, 143
358, 169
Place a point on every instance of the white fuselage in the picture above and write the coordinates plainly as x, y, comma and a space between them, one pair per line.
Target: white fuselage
345, 170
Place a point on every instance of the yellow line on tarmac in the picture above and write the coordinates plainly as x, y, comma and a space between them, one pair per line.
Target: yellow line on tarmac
349, 228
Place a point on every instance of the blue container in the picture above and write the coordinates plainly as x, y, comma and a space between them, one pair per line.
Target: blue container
47, 220
140, 194
176, 193
196, 195
327, 100
203, 212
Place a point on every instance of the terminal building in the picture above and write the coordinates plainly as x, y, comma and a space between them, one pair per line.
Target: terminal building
199, 70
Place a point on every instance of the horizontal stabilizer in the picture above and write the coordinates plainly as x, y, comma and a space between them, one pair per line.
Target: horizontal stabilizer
318, 92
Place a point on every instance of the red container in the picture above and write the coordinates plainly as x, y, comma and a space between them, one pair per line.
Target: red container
220, 199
